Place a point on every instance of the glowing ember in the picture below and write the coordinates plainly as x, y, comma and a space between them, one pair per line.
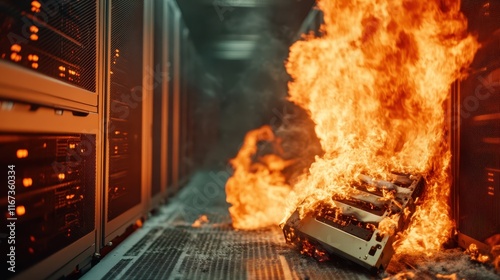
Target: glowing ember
496, 262
203, 219
313, 251
375, 84
476, 255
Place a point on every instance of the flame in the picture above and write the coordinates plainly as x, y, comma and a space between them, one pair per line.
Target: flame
475, 254
203, 219
375, 83
257, 189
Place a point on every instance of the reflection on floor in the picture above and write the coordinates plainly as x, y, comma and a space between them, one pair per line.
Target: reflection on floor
169, 246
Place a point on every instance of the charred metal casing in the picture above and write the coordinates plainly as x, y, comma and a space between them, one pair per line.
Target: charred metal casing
350, 229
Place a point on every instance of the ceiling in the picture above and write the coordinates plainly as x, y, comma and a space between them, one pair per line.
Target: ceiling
230, 34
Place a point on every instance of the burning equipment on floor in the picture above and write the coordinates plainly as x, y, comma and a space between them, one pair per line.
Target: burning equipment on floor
356, 228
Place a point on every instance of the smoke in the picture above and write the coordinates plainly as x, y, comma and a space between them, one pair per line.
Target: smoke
253, 90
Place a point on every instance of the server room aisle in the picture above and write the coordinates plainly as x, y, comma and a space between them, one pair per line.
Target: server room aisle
170, 245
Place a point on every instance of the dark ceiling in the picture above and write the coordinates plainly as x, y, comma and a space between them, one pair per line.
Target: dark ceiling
230, 34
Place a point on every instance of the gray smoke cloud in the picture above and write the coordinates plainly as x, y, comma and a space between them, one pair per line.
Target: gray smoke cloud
256, 95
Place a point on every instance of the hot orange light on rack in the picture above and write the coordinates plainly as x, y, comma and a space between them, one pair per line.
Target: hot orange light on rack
20, 210
27, 182
33, 57
33, 29
22, 153
15, 57
15, 48
35, 6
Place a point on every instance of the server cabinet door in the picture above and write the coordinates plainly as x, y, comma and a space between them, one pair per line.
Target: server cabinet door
124, 198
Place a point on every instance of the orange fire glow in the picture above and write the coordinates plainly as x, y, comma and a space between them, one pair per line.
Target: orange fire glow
375, 83
257, 190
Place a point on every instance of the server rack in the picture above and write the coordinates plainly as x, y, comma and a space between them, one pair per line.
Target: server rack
183, 36
160, 103
50, 85
188, 102
127, 116
168, 101
476, 134
477, 164
78, 79
174, 61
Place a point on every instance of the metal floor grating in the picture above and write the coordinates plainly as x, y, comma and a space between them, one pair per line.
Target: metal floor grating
168, 247
185, 252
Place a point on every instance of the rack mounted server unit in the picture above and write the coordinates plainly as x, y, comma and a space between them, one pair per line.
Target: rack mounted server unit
350, 230
51, 197
55, 39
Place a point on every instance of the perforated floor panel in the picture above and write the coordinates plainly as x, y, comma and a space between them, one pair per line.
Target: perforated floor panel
169, 247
